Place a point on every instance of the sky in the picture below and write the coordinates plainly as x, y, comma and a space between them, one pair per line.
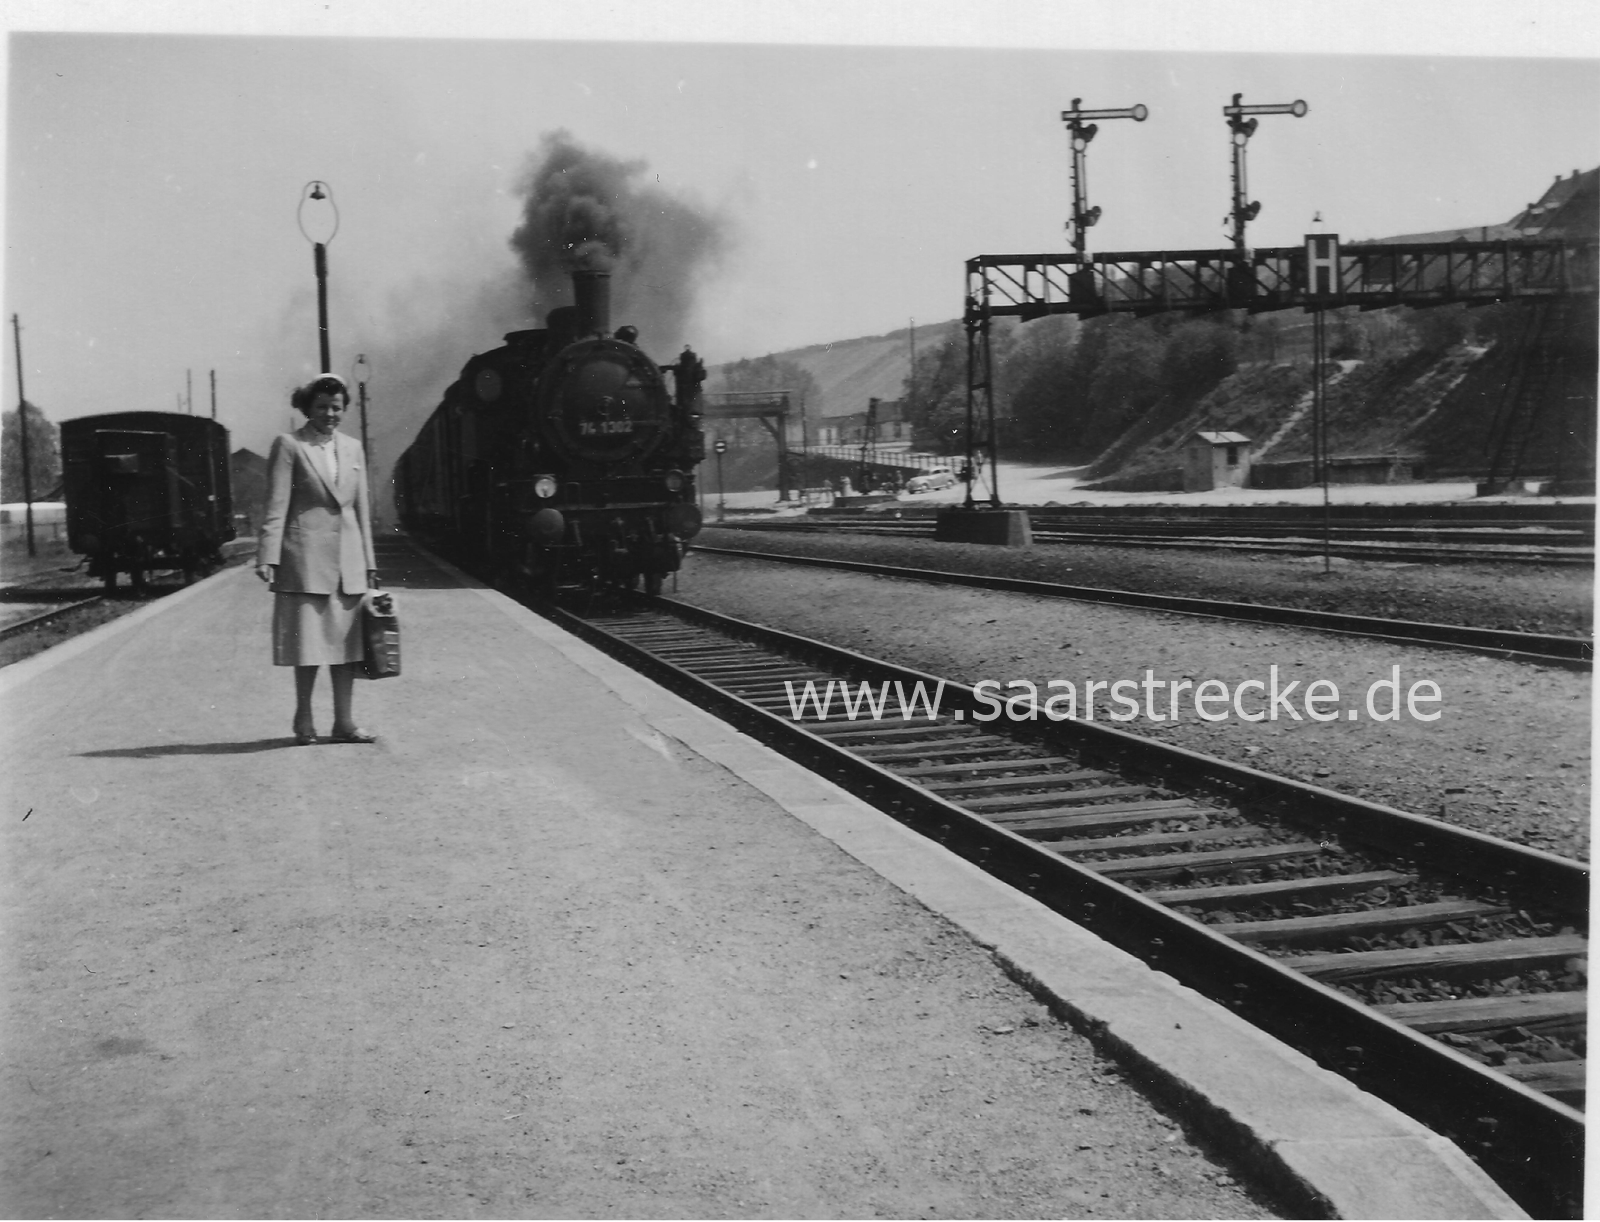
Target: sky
849, 158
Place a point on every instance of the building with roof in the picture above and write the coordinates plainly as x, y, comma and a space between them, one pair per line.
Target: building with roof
1216, 460
1569, 208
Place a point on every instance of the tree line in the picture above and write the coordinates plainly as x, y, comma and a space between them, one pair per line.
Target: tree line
44, 457
1067, 388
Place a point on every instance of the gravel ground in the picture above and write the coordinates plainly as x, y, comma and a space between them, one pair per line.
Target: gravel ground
1508, 755
1514, 597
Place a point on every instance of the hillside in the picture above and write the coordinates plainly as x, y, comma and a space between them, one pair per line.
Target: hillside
1507, 389
1445, 406
851, 371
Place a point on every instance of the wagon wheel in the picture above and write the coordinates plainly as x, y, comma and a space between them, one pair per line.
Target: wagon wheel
136, 578
110, 579
652, 583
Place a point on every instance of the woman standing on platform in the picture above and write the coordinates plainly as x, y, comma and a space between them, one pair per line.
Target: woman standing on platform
315, 551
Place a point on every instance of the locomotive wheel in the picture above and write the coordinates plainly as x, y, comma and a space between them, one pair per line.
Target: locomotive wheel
110, 579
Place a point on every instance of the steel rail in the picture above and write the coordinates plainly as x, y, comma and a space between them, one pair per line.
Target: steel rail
44, 617
1571, 652
1532, 1143
1404, 536
1238, 540
1351, 549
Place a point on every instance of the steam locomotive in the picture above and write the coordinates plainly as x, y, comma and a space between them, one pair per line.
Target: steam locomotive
561, 456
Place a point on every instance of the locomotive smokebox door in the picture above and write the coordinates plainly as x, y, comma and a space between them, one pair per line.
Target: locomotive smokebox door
604, 401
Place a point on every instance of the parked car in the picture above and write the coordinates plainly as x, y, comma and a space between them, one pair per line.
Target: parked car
932, 480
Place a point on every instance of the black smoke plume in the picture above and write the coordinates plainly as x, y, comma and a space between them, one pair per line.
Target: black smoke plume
585, 210
578, 207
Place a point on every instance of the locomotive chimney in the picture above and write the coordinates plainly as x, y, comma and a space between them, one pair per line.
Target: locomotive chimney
592, 292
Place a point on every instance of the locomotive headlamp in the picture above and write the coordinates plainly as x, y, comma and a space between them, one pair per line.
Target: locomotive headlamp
674, 481
545, 487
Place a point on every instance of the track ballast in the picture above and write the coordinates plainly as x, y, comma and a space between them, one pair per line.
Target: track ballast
1435, 966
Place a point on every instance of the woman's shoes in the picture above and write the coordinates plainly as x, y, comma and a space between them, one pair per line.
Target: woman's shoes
305, 735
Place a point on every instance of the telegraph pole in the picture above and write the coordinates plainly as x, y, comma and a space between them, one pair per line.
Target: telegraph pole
911, 385
1323, 289
213, 394
22, 432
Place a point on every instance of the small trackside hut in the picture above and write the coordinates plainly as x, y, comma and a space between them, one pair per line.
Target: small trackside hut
1216, 460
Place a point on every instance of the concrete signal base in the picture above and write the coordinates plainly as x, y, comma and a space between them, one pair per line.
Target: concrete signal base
1004, 527
862, 501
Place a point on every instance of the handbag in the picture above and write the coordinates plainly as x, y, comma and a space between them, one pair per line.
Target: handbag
380, 636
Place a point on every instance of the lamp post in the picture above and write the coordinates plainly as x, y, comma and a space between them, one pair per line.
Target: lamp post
318, 190
363, 372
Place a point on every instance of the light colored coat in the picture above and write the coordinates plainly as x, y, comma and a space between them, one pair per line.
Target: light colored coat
318, 534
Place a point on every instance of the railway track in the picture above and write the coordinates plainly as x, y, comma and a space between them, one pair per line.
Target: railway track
18, 627
1439, 968
1300, 539
1547, 649
65, 593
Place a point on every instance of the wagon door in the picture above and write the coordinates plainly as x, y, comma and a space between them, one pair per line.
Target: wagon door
140, 499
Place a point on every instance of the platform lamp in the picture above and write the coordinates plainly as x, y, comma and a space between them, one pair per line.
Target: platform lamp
324, 220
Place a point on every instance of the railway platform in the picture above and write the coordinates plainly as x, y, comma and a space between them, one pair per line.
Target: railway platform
561, 944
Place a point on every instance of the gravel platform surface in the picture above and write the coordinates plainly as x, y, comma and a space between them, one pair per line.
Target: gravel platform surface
523, 957
1509, 754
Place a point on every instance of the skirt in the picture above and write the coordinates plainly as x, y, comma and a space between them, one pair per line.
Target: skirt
316, 629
